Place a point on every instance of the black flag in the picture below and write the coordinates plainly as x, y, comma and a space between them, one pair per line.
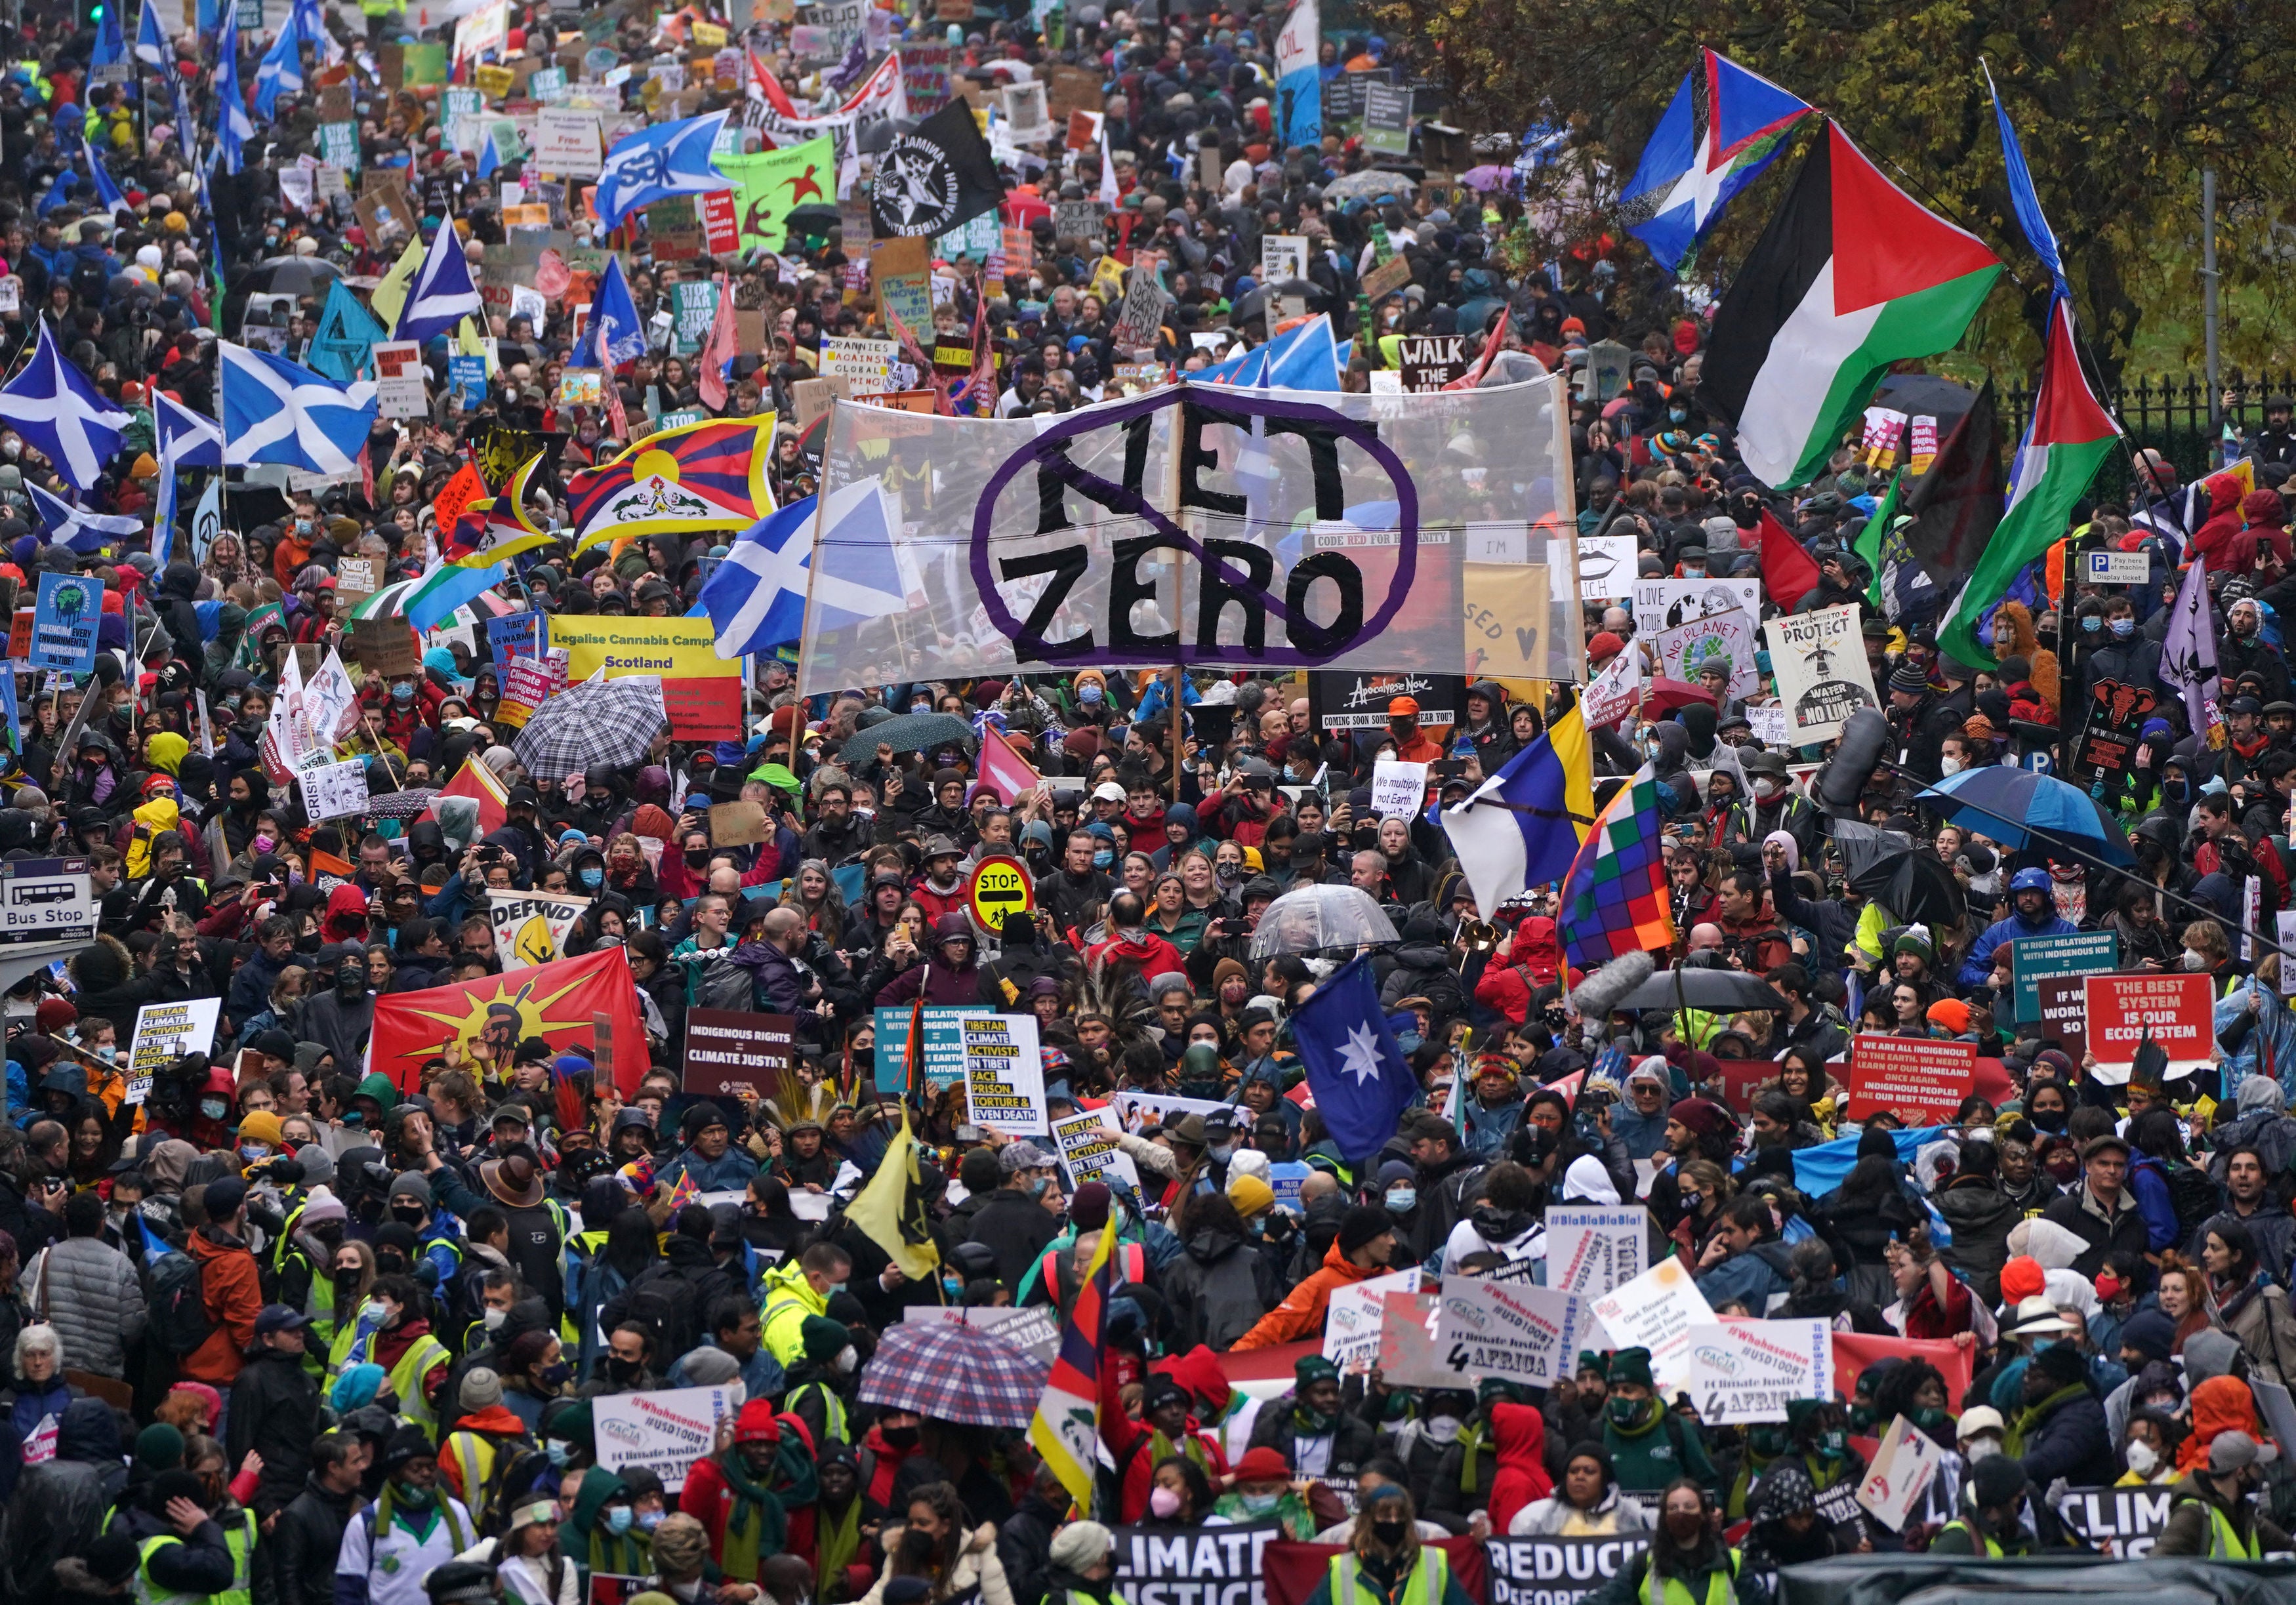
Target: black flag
936, 178
1957, 505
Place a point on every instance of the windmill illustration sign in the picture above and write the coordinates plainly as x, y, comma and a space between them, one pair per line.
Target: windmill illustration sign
65, 622
1819, 659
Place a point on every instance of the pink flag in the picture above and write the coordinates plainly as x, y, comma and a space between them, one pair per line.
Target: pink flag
720, 348
1002, 769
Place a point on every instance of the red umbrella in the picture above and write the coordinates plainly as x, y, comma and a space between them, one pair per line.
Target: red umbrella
1661, 696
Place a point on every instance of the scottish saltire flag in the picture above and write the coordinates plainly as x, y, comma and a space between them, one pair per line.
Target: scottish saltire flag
1066, 1427
281, 71
182, 439
81, 530
1303, 358
1614, 899
1299, 82
756, 599
1723, 128
108, 193
193, 441
1522, 827
613, 335
444, 293
659, 162
233, 128
111, 38
276, 410
152, 46
1361, 1082
70, 423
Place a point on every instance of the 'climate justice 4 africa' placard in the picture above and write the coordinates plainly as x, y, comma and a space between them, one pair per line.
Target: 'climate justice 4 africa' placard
2175, 1008
1747, 1370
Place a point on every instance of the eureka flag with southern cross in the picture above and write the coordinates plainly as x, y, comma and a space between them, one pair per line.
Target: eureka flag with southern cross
1614, 899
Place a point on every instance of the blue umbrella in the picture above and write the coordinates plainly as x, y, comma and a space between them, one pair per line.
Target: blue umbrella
2014, 805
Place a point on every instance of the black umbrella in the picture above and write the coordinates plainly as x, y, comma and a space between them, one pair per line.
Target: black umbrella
811, 218
908, 732
1913, 884
1696, 988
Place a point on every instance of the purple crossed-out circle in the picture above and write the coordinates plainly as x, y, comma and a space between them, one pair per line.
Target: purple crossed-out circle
1119, 499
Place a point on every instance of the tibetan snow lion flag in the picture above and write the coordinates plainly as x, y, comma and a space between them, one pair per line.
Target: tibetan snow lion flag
698, 477
488, 1018
1066, 1431
1851, 275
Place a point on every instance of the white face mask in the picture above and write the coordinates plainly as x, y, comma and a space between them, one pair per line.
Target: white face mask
2141, 1458
847, 1359
1444, 1429
493, 1318
1951, 766
2195, 961
1980, 1448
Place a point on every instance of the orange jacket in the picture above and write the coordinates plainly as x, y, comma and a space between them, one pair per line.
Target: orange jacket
234, 1294
1302, 1314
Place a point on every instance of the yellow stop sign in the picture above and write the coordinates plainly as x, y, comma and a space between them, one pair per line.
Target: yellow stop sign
1000, 886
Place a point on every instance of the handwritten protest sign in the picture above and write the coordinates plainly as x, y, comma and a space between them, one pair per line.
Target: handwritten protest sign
1524, 1333
1656, 1311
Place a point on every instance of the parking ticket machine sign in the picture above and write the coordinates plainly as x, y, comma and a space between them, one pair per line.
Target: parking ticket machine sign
44, 899
999, 887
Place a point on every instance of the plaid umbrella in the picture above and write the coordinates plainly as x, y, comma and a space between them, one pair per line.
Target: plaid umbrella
600, 721
953, 1373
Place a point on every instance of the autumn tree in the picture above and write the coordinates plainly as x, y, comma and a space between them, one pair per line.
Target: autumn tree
2120, 104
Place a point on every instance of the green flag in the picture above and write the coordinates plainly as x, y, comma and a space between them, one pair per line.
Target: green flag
1869, 539
771, 184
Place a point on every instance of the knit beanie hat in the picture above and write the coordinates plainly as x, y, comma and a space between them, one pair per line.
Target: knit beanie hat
823, 1337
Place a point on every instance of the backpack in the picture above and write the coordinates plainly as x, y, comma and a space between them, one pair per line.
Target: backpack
518, 1473
2193, 1196
179, 1306
665, 1306
722, 983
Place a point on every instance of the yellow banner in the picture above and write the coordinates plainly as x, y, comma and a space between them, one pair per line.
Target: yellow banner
701, 691
683, 648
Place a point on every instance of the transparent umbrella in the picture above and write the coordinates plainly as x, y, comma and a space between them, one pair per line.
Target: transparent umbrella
1319, 919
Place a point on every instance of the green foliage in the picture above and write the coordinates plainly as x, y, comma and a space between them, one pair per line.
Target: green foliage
2119, 104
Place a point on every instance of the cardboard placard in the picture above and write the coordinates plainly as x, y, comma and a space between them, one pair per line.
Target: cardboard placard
1748, 1371
385, 646
2036, 958
739, 822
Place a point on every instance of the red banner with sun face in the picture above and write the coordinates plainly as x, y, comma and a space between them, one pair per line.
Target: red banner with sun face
561, 1003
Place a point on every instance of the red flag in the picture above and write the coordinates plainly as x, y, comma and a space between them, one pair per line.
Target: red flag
1787, 569
1004, 770
474, 780
720, 348
769, 87
554, 1002
1853, 1352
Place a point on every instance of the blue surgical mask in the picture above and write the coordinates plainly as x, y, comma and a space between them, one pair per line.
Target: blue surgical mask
402, 693
2092, 624
557, 1448
1089, 694
617, 1518
1402, 1200
647, 1520
594, 877
2124, 626
1102, 859
919, 708
954, 1286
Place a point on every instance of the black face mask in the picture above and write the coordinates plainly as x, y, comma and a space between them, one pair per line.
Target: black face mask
694, 861
623, 1371
1389, 1533
410, 1214
1498, 1225
391, 1262
345, 1284
900, 1437
351, 987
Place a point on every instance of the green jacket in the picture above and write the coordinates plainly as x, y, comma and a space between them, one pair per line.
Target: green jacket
1652, 1456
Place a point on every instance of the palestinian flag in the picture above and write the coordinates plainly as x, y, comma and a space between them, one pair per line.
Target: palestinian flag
1851, 275
2068, 440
